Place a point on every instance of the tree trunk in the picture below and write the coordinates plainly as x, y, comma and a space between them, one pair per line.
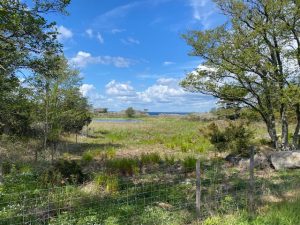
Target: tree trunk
46, 128
284, 127
272, 131
296, 132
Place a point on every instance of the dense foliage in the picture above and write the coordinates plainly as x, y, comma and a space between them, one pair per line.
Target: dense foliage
253, 61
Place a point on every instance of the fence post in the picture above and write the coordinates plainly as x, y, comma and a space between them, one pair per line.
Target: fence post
251, 181
198, 189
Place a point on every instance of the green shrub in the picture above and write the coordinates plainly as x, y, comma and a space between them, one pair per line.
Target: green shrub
236, 137
150, 158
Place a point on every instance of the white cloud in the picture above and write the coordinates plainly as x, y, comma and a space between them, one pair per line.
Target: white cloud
168, 63
90, 33
100, 38
130, 41
64, 33
164, 90
164, 95
86, 89
82, 59
119, 89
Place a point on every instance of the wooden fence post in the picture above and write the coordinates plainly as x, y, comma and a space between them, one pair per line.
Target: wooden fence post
251, 181
198, 189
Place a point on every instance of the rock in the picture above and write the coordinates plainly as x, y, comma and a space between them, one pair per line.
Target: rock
260, 162
285, 160
233, 159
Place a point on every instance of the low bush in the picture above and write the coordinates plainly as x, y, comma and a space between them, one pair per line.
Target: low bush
236, 137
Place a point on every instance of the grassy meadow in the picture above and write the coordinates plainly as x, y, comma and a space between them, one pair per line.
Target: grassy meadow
140, 172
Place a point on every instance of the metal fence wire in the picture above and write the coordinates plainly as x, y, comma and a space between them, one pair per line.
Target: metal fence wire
196, 193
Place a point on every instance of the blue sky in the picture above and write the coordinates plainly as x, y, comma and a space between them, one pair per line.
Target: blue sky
130, 53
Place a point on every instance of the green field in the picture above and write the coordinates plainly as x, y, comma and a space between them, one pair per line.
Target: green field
140, 173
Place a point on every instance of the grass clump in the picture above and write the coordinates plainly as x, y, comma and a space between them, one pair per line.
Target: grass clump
150, 158
189, 163
109, 183
87, 157
170, 160
123, 166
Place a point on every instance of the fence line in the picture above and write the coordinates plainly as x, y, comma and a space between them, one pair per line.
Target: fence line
203, 190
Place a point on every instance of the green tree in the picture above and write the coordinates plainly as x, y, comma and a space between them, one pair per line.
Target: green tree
249, 61
25, 35
130, 112
60, 105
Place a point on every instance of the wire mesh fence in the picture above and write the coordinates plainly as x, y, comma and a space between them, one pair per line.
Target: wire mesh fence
163, 194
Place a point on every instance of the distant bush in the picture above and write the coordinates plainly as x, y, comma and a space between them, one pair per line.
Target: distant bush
129, 112
201, 117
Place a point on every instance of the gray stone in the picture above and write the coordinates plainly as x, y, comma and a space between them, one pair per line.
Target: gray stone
285, 160
260, 162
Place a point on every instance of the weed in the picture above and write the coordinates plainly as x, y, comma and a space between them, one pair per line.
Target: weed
108, 182
150, 158
170, 160
87, 157
189, 163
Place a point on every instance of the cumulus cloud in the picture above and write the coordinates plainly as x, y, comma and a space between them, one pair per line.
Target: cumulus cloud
164, 95
119, 89
64, 33
85, 89
82, 59
165, 90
